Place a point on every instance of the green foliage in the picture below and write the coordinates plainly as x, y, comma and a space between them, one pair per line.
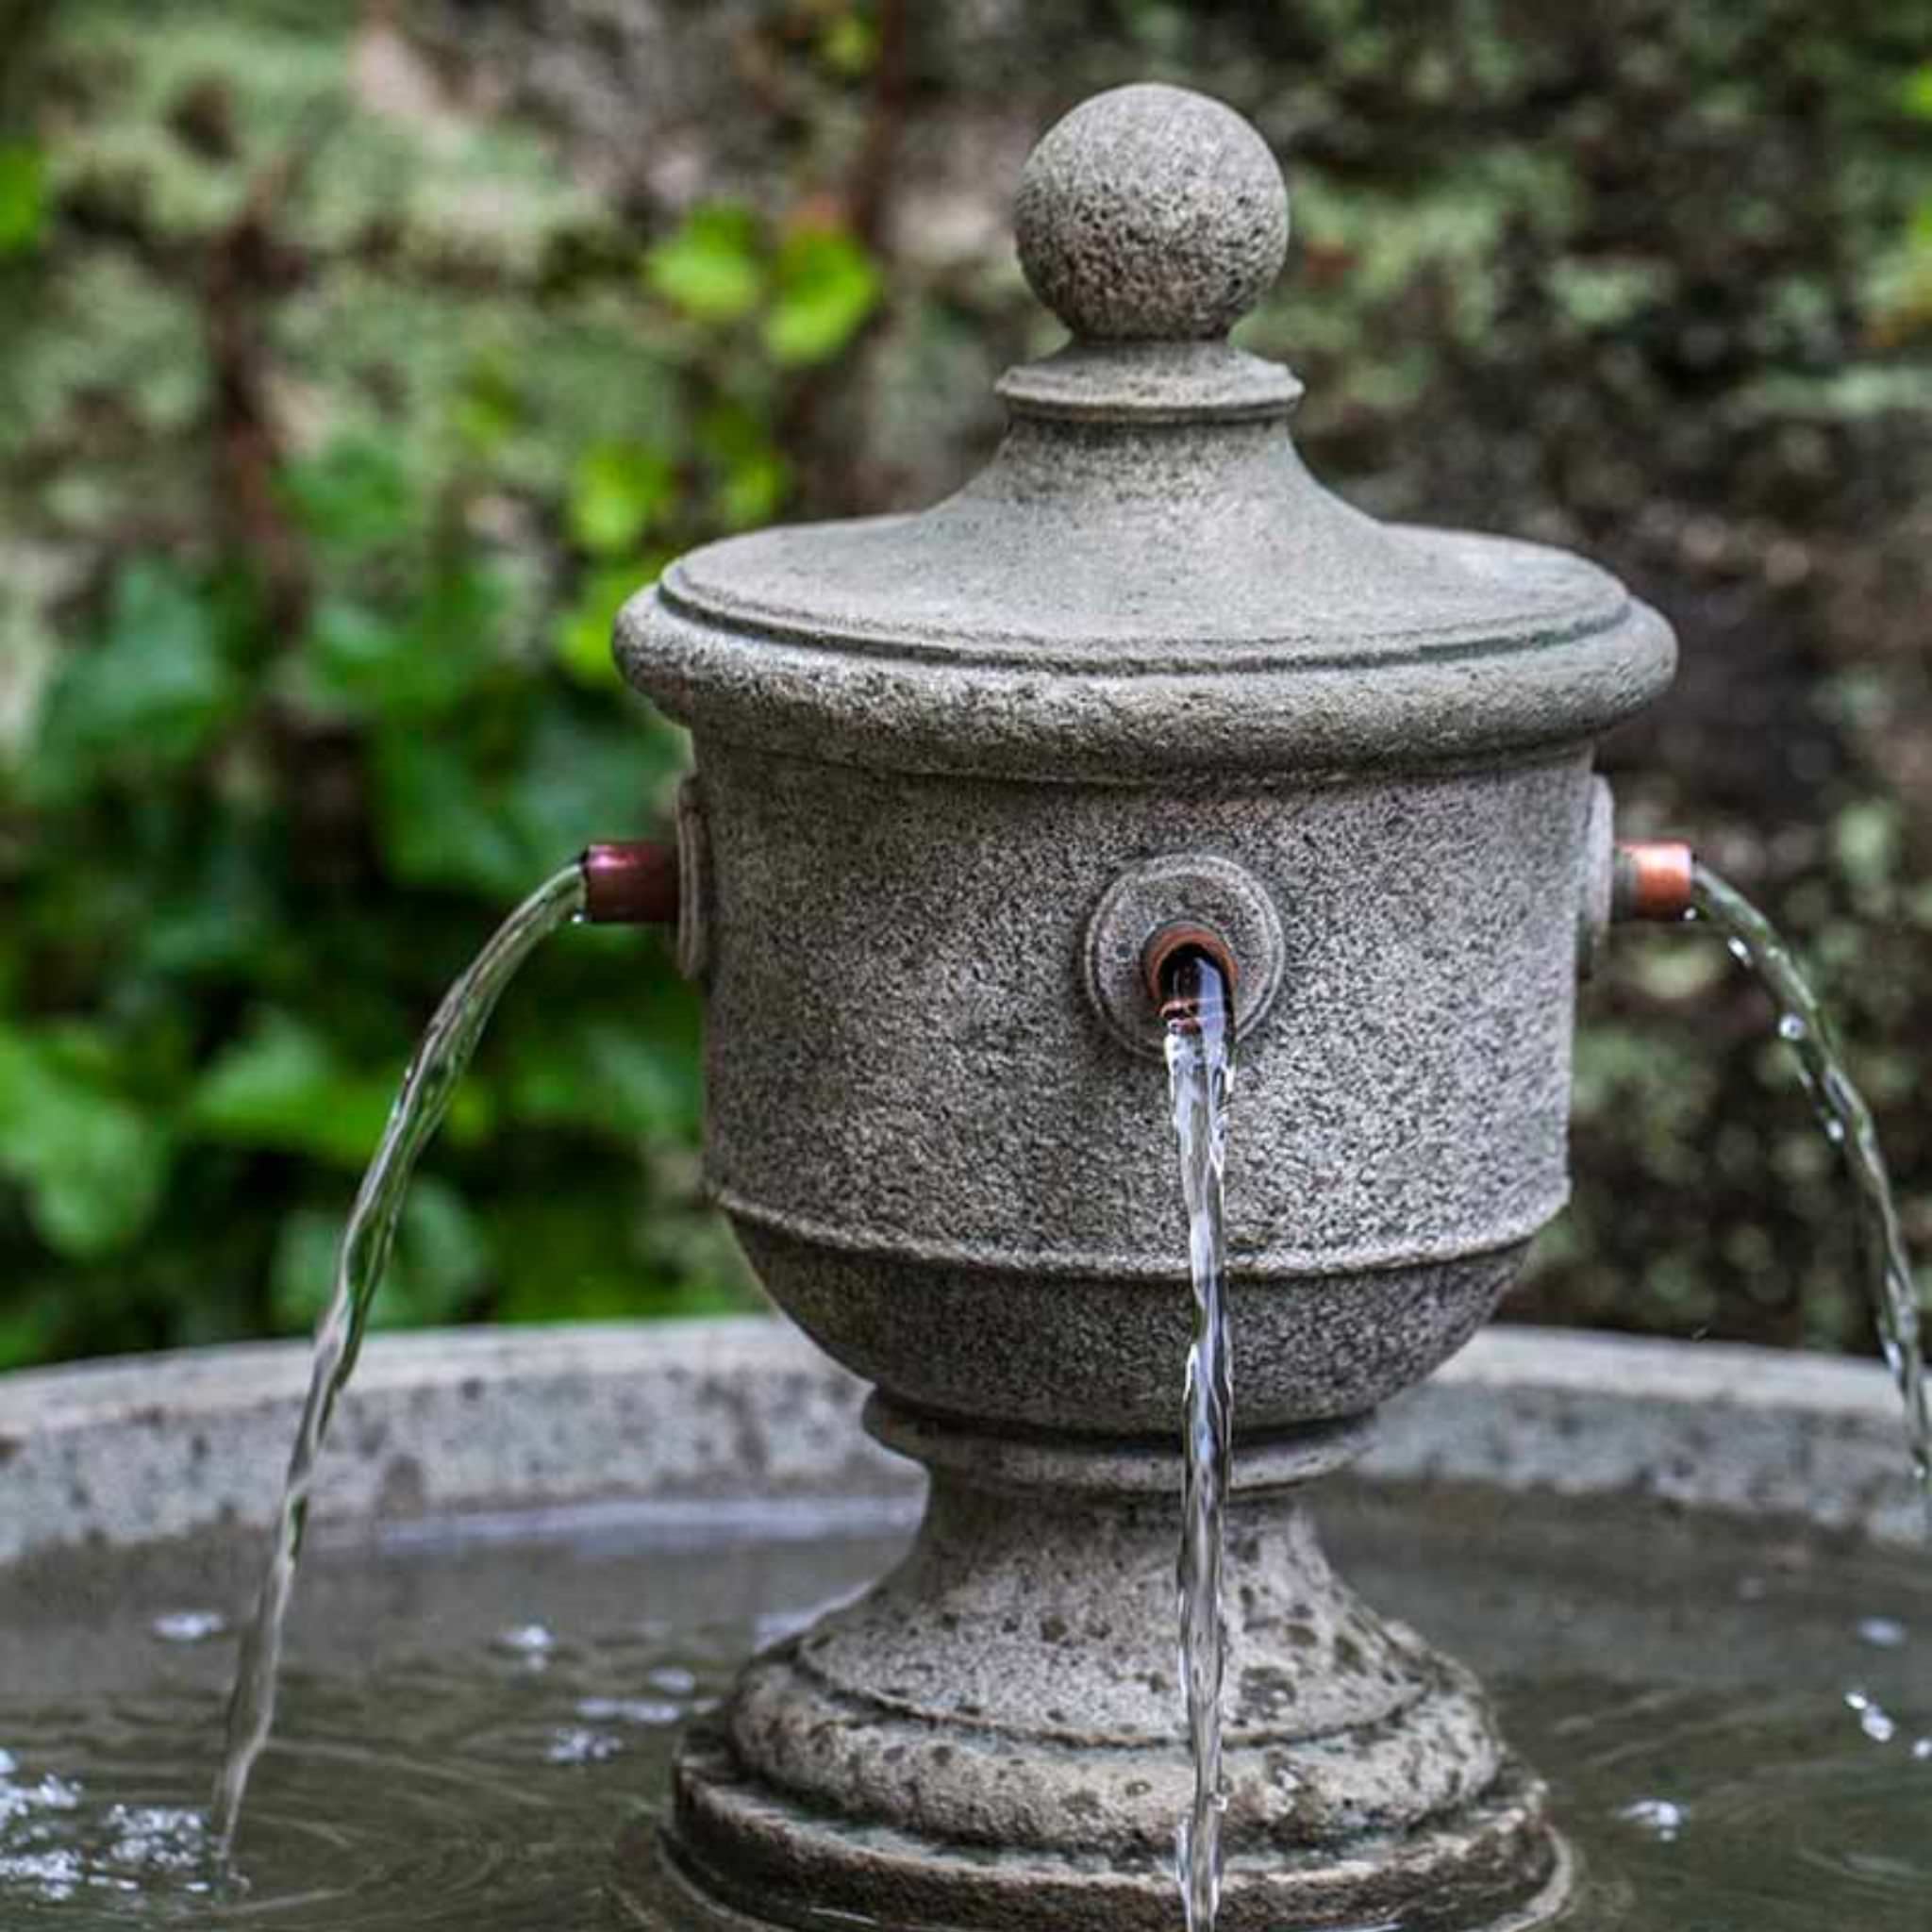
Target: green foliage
441, 1263
848, 42
620, 491
338, 416
813, 289
328, 684
146, 700
23, 198
825, 287
712, 268
280, 1085
255, 862
91, 1161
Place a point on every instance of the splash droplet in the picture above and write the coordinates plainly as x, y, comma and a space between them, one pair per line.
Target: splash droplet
1873, 1720
1882, 1633
629, 1711
188, 1626
1662, 1818
577, 1745
531, 1641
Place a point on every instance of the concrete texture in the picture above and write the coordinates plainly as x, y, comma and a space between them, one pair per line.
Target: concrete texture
1113, 603
721, 1413
1004, 1705
932, 751
950, 1169
1149, 214
128, 1452
123, 1453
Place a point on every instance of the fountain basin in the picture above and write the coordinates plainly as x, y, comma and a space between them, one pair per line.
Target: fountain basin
1550, 1505
128, 1452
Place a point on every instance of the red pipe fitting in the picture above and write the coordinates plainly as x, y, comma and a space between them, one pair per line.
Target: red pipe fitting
1652, 878
1164, 951
630, 882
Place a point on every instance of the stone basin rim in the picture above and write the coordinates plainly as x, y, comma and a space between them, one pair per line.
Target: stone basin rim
132, 1450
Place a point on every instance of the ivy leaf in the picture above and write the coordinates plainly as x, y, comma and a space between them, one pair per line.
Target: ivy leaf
488, 408
439, 812
560, 1258
440, 1264
735, 442
282, 1086
149, 697
587, 774
219, 918
354, 496
1866, 836
849, 44
710, 268
425, 663
826, 286
605, 1077
92, 1163
352, 649
584, 626
753, 490
619, 490
301, 1276
23, 198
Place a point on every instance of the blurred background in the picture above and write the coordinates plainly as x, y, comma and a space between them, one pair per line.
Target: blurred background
357, 359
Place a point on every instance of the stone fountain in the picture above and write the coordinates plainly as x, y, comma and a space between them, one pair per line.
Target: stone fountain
954, 771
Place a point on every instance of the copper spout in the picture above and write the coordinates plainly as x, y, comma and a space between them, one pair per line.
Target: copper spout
1166, 953
630, 882
1651, 879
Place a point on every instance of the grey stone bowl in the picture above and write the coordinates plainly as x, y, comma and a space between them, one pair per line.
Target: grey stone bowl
122, 1452
745, 1412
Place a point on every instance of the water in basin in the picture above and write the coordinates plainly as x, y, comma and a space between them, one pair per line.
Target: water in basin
1735, 1722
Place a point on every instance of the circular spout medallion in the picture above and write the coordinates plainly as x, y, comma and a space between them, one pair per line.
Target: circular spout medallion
1182, 888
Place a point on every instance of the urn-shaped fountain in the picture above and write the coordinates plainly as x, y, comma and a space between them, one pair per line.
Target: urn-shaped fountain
954, 771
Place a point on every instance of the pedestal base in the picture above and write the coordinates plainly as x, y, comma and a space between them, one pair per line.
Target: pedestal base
992, 1738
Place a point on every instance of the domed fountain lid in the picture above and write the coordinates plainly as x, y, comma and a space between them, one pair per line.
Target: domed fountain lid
1144, 581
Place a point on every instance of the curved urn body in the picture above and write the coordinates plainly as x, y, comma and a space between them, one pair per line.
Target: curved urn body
952, 771
953, 1174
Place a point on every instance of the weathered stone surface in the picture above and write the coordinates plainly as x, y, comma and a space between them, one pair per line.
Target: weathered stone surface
756, 1855
1122, 603
1151, 214
928, 748
1098, 1354
1008, 1696
899, 963
123, 1453
1145, 583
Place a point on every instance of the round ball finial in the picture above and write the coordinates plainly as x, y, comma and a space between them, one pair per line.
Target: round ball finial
1151, 214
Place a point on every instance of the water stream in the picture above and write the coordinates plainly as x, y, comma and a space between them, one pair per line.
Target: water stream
1200, 1068
1200, 1062
1847, 1120
427, 1085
